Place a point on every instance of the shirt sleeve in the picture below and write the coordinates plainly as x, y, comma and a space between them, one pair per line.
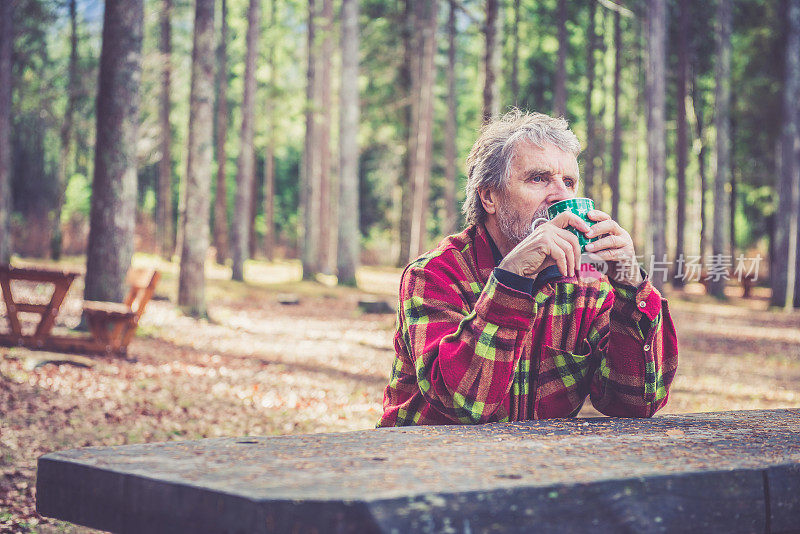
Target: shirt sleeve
638, 348
464, 359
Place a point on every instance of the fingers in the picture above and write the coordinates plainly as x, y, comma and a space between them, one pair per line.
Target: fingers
558, 251
607, 226
575, 247
567, 218
597, 215
611, 254
608, 242
572, 251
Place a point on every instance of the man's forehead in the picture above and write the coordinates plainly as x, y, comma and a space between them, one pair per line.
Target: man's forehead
547, 157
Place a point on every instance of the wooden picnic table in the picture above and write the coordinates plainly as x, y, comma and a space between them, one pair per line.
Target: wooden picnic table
61, 281
706, 472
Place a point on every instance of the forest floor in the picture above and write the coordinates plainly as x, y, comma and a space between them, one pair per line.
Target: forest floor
259, 367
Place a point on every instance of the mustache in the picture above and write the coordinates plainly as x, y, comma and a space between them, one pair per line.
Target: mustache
541, 212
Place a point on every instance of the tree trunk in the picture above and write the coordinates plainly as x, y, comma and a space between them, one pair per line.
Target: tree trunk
656, 132
311, 161
783, 272
601, 150
491, 102
590, 141
252, 239
701, 165
680, 125
325, 221
637, 112
246, 164
269, 157
722, 99
421, 165
191, 284
560, 92
407, 80
733, 188
113, 203
66, 133
221, 200
348, 250
164, 232
450, 174
616, 145
514, 51
6, 41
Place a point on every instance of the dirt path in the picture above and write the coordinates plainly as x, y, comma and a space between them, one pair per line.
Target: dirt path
259, 367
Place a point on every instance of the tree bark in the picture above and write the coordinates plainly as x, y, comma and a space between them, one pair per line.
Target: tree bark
491, 59
252, 237
6, 42
450, 174
514, 51
246, 164
616, 145
66, 133
221, 199
560, 92
637, 112
722, 98
348, 250
421, 165
325, 221
783, 271
112, 214
269, 157
407, 80
732, 173
191, 283
656, 132
680, 125
164, 232
311, 167
590, 141
701, 165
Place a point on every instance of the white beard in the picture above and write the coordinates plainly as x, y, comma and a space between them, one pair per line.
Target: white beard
514, 226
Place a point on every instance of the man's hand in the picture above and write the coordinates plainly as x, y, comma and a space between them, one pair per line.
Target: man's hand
616, 248
549, 244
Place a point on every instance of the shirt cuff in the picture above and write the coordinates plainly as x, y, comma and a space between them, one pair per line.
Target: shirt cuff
513, 280
645, 298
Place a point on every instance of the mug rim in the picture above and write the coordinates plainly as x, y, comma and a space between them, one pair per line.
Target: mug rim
568, 200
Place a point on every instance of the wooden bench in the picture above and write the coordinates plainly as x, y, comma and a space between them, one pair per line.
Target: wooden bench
112, 324
708, 472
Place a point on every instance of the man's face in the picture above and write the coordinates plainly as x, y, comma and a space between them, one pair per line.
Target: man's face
539, 177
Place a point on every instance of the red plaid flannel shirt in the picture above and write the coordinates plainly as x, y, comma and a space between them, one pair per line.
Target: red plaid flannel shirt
472, 350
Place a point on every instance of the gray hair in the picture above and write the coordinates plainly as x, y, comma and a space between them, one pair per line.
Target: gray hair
489, 161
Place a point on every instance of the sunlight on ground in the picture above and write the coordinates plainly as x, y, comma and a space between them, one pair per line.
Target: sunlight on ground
260, 366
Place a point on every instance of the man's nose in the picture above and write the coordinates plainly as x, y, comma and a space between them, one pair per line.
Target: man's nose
559, 191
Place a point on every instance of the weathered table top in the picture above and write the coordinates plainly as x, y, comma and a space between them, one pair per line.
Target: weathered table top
727, 471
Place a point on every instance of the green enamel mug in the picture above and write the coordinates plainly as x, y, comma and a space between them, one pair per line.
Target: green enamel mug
580, 207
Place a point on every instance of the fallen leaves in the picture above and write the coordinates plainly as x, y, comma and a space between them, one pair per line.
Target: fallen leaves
258, 367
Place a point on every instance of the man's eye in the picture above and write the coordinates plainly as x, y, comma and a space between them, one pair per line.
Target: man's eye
537, 178
569, 183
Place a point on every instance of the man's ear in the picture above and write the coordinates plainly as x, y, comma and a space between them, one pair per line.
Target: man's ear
488, 198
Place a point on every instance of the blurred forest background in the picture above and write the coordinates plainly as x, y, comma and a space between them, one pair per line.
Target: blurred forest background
336, 132
286, 143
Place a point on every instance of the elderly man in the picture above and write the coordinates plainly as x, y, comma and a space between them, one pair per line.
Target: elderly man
501, 322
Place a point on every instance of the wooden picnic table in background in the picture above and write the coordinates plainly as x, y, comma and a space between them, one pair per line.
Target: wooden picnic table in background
61, 280
112, 325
